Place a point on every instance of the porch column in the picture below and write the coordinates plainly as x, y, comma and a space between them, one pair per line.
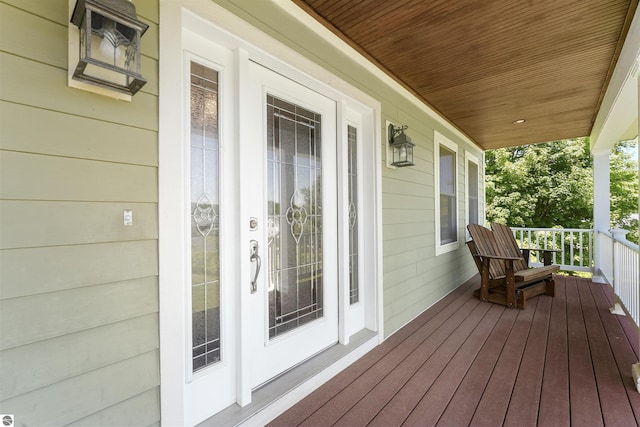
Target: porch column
601, 211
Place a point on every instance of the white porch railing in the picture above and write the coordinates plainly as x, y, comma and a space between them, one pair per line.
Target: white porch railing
619, 268
618, 259
573, 247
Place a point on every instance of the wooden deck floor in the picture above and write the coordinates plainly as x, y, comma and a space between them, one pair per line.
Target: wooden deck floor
563, 361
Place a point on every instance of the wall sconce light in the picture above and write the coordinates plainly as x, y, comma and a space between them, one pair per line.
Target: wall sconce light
109, 45
401, 146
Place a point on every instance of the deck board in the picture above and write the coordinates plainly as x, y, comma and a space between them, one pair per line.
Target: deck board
397, 364
563, 361
435, 401
622, 346
611, 389
374, 361
428, 364
554, 399
495, 400
582, 382
464, 402
525, 399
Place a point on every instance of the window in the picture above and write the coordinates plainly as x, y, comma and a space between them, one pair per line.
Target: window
473, 189
446, 184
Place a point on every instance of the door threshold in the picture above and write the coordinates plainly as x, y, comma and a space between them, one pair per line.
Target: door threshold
275, 397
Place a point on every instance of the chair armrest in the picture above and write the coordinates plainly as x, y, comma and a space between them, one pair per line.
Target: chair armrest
505, 258
546, 255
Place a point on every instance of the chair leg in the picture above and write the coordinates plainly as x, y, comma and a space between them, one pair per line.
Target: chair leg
484, 282
510, 284
521, 301
550, 288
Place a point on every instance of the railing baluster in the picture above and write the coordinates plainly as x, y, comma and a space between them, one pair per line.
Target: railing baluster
581, 234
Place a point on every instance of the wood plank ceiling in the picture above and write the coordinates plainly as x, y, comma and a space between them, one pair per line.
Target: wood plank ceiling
484, 64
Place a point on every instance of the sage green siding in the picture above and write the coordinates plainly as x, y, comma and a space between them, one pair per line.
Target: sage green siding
414, 277
78, 290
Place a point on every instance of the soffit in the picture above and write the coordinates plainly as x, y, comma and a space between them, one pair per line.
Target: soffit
483, 64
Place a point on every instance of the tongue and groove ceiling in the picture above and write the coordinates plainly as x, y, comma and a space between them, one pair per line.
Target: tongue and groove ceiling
483, 64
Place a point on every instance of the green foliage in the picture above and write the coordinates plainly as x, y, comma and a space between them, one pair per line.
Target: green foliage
543, 185
551, 185
624, 188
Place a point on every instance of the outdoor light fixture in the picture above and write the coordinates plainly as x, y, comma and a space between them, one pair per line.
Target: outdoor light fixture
401, 146
109, 45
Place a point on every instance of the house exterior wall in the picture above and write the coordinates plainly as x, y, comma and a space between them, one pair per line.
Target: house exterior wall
78, 289
414, 278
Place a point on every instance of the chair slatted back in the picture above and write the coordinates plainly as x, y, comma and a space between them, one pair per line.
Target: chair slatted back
486, 244
505, 238
474, 252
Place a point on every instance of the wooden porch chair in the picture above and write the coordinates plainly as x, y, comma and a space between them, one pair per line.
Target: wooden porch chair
505, 277
504, 235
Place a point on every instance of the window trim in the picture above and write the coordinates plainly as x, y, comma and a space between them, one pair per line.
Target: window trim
438, 141
471, 158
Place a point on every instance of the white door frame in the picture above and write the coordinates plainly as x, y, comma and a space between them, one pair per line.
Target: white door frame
216, 23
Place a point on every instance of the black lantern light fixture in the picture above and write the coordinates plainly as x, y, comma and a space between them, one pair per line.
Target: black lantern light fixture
110, 35
401, 146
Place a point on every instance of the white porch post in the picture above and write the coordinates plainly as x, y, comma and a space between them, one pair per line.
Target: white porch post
601, 210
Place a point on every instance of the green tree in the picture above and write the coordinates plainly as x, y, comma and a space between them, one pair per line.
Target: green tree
624, 187
542, 185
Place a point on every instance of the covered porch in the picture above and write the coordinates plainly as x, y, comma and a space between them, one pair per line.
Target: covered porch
563, 361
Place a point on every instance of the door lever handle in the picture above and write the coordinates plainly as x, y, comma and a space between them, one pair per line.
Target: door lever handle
255, 258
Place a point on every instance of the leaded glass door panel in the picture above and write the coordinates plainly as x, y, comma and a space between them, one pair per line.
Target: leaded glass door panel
294, 216
294, 165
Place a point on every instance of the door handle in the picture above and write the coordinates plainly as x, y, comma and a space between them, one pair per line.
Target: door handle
255, 258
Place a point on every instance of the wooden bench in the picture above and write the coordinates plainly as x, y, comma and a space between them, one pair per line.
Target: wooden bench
505, 275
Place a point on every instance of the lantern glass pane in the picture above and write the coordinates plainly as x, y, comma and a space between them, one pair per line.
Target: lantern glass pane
403, 155
109, 51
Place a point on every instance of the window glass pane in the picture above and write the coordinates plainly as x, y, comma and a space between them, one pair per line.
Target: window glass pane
448, 220
352, 141
473, 193
204, 208
294, 263
448, 213
473, 179
447, 171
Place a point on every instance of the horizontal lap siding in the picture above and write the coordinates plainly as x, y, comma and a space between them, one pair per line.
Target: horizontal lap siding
414, 277
78, 290
434, 275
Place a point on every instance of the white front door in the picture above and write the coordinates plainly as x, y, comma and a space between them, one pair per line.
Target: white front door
264, 257
289, 158
282, 172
